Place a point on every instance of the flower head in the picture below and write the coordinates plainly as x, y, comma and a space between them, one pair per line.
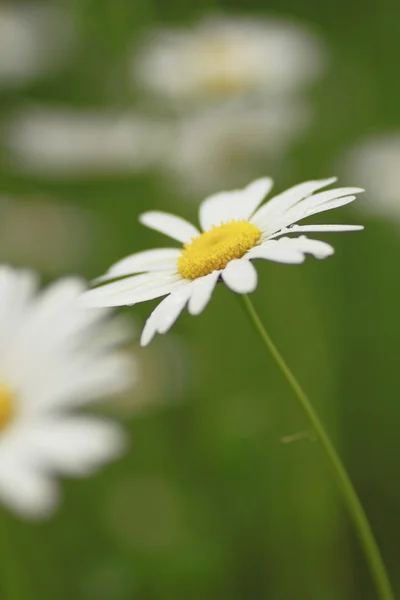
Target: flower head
228, 57
54, 357
375, 162
235, 231
34, 38
77, 143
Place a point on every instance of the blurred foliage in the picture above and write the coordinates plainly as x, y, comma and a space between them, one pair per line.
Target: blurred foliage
210, 502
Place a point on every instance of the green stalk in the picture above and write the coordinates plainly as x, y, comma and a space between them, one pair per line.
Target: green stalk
356, 510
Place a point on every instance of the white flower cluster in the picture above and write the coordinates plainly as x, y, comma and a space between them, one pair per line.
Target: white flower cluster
219, 99
236, 86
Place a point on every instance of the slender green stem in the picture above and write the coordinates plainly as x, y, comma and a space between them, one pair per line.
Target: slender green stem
354, 505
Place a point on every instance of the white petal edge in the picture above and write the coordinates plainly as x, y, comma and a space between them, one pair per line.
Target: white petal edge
316, 229
165, 314
175, 227
277, 251
132, 290
282, 202
312, 207
201, 292
234, 205
316, 248
240, 276
75, 445
27, 491
291, 250
161, 259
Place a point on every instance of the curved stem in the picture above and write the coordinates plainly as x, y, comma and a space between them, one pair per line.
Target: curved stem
354, 505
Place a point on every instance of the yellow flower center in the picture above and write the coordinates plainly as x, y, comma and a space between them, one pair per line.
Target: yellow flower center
212, 250
219, 68
7, 406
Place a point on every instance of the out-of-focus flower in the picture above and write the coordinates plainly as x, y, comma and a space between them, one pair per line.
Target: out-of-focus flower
234, 232
375, 162
54, 357
38, 233
226, 145
224, 57
34, 38
76, 143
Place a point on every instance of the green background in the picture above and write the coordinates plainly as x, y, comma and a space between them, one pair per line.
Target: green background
210, 502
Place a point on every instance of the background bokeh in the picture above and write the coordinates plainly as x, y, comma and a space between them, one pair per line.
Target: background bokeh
223, 494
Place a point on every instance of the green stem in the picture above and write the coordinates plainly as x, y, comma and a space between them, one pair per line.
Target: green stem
354, 505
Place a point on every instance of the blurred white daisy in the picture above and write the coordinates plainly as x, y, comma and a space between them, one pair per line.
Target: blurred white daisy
78, 143
235, 230
224, 57
34, 38
375, 162
226, 145
54, 357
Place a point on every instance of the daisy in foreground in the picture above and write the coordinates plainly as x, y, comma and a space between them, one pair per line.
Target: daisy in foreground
235, 231
54, 357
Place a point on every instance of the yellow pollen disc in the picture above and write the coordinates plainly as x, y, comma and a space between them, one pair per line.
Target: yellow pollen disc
219, 70
7, 406
212, 250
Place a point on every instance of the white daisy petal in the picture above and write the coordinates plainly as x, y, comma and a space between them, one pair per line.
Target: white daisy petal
282, 202
201, 292
317, 229
149, 329
277, 252
172, 308
131, 290
75, 445
87, 380
330, 205
27, 491
298, 213
16, 292
317, 248
236, 205
319, 203
163, 259
166, 313
240, 276
175, 227
318, 199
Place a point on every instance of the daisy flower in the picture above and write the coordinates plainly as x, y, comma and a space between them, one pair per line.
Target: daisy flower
235, 231
62, 142
375, 162
222, 57
54, 357
34, 39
